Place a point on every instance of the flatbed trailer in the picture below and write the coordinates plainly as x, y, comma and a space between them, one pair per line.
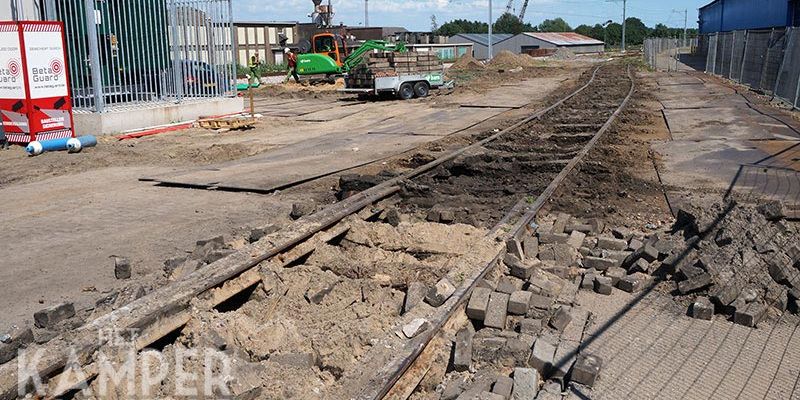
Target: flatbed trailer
404, 86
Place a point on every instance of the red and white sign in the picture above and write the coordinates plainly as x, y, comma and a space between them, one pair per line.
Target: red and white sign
34, 86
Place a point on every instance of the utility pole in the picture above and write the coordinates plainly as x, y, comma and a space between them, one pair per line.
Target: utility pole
366, 13
624, 17
490, 29
685, 26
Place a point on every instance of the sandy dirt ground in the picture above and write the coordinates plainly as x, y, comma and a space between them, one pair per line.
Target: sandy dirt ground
68, 214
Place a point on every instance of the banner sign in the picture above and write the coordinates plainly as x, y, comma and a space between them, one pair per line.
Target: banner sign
34, 86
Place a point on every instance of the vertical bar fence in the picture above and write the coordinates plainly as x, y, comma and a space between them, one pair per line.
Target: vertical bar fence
142, 53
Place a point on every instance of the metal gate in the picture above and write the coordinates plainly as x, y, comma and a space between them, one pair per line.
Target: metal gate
134, 53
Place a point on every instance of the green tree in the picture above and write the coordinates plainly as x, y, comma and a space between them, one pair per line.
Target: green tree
457, 26
434, 24
635, 31
584, 30
510, 23
554, 25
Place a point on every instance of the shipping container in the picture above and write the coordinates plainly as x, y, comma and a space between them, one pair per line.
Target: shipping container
732, 15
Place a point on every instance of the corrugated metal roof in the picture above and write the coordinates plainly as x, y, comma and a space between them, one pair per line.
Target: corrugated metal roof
564, 38
483, 38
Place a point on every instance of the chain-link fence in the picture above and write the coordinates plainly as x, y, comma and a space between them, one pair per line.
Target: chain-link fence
766, 60
664, 53
134, 53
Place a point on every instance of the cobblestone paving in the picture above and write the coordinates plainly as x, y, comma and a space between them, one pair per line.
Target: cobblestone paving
652, 350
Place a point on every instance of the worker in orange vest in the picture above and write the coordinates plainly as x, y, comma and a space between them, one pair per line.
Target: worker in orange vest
291, 59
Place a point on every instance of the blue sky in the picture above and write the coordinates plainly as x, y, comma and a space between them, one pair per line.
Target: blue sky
416, 14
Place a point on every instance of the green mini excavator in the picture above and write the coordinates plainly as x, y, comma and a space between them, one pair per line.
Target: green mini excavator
330, 61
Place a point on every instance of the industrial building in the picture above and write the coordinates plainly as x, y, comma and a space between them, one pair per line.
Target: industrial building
526, 42
480, 42
263, 38
529, 42
734, 15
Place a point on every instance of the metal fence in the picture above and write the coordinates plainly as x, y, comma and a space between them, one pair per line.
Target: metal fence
664, 53
765, 60
134, 53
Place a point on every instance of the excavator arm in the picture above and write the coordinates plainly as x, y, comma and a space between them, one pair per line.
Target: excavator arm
355, 57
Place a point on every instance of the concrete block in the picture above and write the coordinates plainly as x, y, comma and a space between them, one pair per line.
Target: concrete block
438, 294
447, 216
780, 273
519, 302
485, 283
489, 396
530, 246
634, 283
503, 386
482, 383
586, 369
600, 264
497, 310
509, 284
51, 316
416, 327
514, 248
588, 281
518, 269
462, 353
615, 273
302, 209
597, 224
544, 349
518, 349
619, 256
702, 309
576, 239
641, 265
794, 254
724, 294
750, 315
635, 244
561, 318
526, 384
478, 303
694, 283
414, 295
565, 357
122, 268
610, 243
585, 251
649, 252
12, 340
530, 326
433, 216
560, 224
622, 232
552, 238
602, 285
583, 228
544, 284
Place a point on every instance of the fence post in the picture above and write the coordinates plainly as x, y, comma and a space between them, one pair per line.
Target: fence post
744, 55
94, 55
766, 58
177, 69
783, 63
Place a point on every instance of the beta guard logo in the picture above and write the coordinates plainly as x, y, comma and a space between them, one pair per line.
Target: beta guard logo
13, 67
56, 66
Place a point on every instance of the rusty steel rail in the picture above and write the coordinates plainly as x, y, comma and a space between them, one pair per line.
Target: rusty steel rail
165, 310
384, 380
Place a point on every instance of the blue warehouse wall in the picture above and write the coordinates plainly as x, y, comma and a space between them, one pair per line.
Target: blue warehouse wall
730, 15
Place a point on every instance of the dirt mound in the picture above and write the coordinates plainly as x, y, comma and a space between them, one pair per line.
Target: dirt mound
467, 63
563, 54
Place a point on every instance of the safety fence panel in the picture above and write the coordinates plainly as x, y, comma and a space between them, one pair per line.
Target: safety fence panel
773, 60
134, 53
788, 81
711, 59
665, 53
724, 50
737, 55
755, 54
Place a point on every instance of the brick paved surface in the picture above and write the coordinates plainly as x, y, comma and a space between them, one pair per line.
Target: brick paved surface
652, 350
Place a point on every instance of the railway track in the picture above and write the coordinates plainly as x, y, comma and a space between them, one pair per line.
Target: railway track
332, 284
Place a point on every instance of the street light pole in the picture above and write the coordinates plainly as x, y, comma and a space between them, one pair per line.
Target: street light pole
624, 17
490, 29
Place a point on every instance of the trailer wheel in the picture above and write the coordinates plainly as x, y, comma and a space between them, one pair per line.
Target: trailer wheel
406, 91
421, 89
